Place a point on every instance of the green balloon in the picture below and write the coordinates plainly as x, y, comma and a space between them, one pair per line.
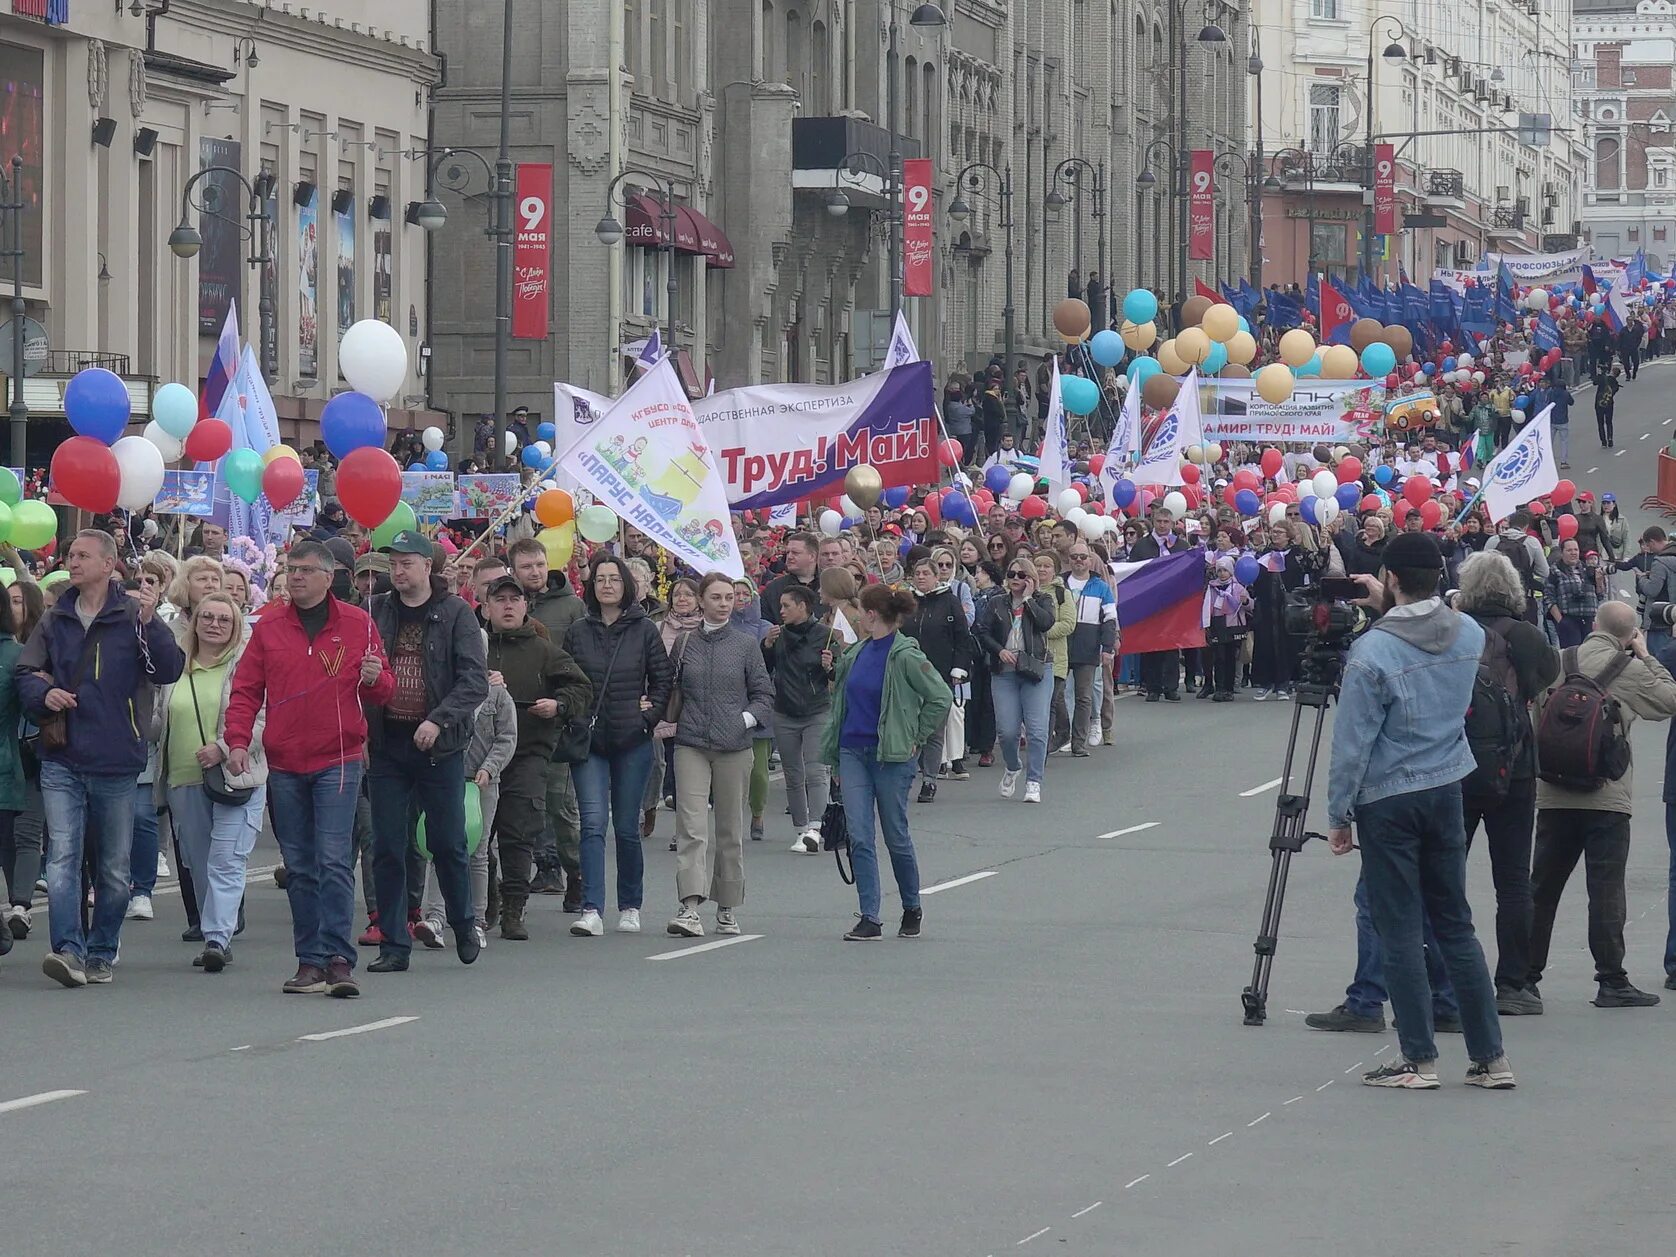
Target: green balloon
11, 492
34, 523
58, 576
5, 520
242, 470
474, 823
401, 519
7, 577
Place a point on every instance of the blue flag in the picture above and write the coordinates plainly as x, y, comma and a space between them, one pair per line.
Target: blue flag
1636, 271
1547, 334
1312, 295
1476, 316
1284, 310
1505, 312
1442, 306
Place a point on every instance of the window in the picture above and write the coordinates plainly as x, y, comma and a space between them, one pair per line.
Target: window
681, 72
909, 118
1634, 234
657, 56
1606, 164
631, 40
1658, 233
1323, 117
1661, 176
820, 75
1324, 8
797, 58
928, 104
771, 69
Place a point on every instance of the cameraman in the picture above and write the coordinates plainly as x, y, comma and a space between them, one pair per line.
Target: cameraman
1399, 755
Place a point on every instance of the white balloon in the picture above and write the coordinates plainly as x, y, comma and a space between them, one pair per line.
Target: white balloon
373, 358
1067, 501
148, 529
1092, 527
432, 438
1326, 484
168, 446
851, 510
1277, 512
1306, 488
1327, 512
832, 523
1463, 360
141, 466
1175, 502
511, 444
1195, 453
1075, 515
963, 480
1537, 299
1019, 487
1477, 377
545, 448
1519, 416
1213, 452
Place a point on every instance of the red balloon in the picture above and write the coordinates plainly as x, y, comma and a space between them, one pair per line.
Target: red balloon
1566, 527
1287, 493
1245, 478
1431, 513
1392, 380
1190, 474
1349, 469
1228, 492
369, 485
1271, 462
1401, 509
1082, 490
282, 482
1538, 508
1417, 489
209, 440
1096, 508
84, 471
948, 453
1563, 492
1194, 495
1032, 507
1097, 464
933, 507
1369, 503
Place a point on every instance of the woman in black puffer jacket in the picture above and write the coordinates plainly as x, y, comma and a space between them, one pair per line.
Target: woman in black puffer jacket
939, 625
621, 651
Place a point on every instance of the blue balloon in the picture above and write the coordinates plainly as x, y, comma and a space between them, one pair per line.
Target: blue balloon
175, 410
1080, 394
1306, 508
958, 508
1107, 348
1244, 326
1313, 366
1429, 370
904, 546
436, 460
546, 432
1521, 402
1347, 495
351, 421
1123, 493
1143, 369
1379, 359
97, 404
1382, 474
417, 464
1449, 363
1140, 306
845, 524
1215, 360
1246, 502
997, 478
1247, 569
896, 498
533, 457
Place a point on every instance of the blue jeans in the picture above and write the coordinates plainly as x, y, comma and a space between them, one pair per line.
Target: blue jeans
401, 782
314, 821
869, 785
618, 782
142, 851
1670, 939
216, 841
1027, 703
1365, 996
82, 808
1414, 864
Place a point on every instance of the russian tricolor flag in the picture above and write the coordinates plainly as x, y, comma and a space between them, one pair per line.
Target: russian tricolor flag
223, 368
1159, 602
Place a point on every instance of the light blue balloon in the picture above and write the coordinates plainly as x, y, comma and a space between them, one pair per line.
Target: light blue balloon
1143, 369
1140, 306
1244, 326
175, 410
1107, 348
1215, 360
1080, 394
1379, 359
1313, 366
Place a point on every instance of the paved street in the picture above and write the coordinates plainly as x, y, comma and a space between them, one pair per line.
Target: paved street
1059, 1064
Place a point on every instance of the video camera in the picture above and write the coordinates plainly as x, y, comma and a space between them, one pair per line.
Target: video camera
1323, 616
1661, 614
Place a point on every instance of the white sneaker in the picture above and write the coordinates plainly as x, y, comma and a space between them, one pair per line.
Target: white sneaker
687, 922
628, 921
162, 865
1032, 792
19, 920
428, 930
1009, 783
808, 842
587, 925
726, 923
1094, 736
140, 909
482, 936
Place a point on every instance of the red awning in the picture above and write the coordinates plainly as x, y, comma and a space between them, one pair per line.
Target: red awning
712, 240
645, 225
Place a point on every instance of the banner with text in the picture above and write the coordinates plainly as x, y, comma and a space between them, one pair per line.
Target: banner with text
1331, 411
916, 227
530, 250
1384, 189
1201, 189
1547, 268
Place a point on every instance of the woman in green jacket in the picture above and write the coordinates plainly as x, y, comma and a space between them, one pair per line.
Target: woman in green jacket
887, 702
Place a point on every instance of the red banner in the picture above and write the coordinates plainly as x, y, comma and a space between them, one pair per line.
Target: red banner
916, 227
532, 214
1201, 214
1384, 189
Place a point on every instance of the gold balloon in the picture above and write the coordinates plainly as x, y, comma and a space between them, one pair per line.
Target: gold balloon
1242, 348
559, 543
1170, 360
1193, 309
1363, 332
1213, 452
1297, 347
1159, 392
1274, 383
1338, 363
863, 484
279, 451
1192, 346
1139, 336
1221, 322
1071, 319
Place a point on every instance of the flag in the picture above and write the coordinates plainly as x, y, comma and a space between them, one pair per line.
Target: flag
1616, 308
650, 352
1312, 293
1442, 303
1202, 289
1159, 602
1525, 470
1284, 310
1126, 434
1402, 275
783, 516
1588, 283
1547, 333
1179, 428
1636, 272
1505, 311
647, 460
902, 348
223, 366
1056, 452
1334, 315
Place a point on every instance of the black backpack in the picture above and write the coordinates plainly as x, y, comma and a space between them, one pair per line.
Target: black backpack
1581, 740
1519, 556
1495, 720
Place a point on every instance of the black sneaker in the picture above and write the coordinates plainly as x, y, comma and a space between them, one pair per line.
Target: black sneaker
1625, 996
1341, 1018
1514, 1002
214, 959
1153, 698
1404, 1075
5, 937
927, 791
466, 944
1172, 696
192, 934
1670, 983
864, 931
958, 772
389, 962
911, 919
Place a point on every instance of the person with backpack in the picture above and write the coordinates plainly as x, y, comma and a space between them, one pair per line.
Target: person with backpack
1517, 665
1525, 553
1584, 798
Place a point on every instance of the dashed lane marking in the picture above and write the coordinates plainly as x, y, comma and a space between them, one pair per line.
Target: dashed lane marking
35, 1101
1227, 1134
1255, 790
703, 947
1264, 1118
1038, 1235
1133, 829
1090, 1209
384, 1024
1172, 1165
959, 881
1135, 1181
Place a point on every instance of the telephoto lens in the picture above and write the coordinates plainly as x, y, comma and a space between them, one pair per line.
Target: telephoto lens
1662, 613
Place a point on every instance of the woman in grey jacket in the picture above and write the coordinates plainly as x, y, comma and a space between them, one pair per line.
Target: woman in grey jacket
722, 685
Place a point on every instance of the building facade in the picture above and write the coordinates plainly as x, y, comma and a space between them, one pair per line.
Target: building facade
1625, 51
1475, 98
114, 112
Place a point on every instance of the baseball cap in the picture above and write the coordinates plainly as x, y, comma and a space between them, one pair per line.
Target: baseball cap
502, 583
372, 563
1609, 497
408, 542
1416, 550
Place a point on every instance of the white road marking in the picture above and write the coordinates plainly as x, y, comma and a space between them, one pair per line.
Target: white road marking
1325, 1085
1644, 436
1227, 1134
1038, 1235
1264, 1118
704, 947
1294, 1099
1133, 829
1091, 1208
243, 1047
1143, 1178
1591, 471
1302, 1012
385, 1024
959, 881
1172, 1165
1354, 1067
1267, 785
1620, 453
1383, 1050
30, 1102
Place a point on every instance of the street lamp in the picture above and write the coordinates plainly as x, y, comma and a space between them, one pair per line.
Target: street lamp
609, 231
924, 17
1070, 172
973, 179
1249, 166
12, 207
184, 240
1146, 181
1394, 55
1290, 162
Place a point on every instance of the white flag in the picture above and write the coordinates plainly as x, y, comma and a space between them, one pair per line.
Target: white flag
1179, 429
1126, 435
902, 348
1056, 455
1524, 470
647, 459
575, 411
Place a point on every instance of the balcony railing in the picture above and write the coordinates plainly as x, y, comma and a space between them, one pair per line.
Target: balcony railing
70, 361
1446, 183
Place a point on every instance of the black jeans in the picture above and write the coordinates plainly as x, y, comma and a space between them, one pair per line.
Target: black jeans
1161, 671
400, 779
1224, 662
980, 715
19, 865
1603, 423
1060, 722
1509, 824
1602, 840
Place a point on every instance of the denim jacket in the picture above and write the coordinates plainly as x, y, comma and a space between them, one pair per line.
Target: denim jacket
1402, 706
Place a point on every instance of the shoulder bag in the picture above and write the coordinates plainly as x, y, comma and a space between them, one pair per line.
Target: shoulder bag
672, 711
54, 727
215, 776
576, 735
1031, 667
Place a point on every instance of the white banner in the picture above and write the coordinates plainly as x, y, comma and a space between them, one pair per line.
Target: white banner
1179, 428
1330, 411
1056, 454
1533, 268
1525, 470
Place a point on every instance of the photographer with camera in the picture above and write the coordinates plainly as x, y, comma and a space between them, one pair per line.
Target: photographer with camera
1399, 755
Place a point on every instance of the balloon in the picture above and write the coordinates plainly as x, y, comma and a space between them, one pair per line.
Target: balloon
167, 446
1312, 367
959, 508
832, 523
1364, 332
543, 432
1242, 348
1160, 391
1019, 487
1190, 474
895, 497
1275, 383
474, 823
1347, 495
1310, 509
997, 478
34, 523
1566, 527
1107, 347
1349, 469
1417, 489
97, 404
175, 410
1139, 336
1071, 319
1221, 322
1271, 462
862, 484
373, 358
1067, 501
1464, 362
1216, 359
554, 507
1170, 360
1538, 508
1193, 310
1079, 394
436, 460
369, 485
1246, 502
402, 519
1378, 359
1431, 513
1192, 346
597, 523
1382, 474
11, 492
1140, 306
1338, 362
1097, 464
1325, 484
1033, 507
242, 469
1296, 347
1277, 513
140, 465
1123, 493
5, 530
1175, 502
948, 453
1247, 569
1400, 339
432, 438
1563, 492
282, 482
84, 471
511, 444
1306, 489
351, 421
1327, 511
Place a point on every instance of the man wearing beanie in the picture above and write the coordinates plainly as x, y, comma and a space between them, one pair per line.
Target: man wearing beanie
1399, 756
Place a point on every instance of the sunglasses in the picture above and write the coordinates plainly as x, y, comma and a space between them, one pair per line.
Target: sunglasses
1020, 575
1083, 557
944, 563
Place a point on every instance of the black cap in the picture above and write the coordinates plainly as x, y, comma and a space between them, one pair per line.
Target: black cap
503, 583
408, 542
1413, 550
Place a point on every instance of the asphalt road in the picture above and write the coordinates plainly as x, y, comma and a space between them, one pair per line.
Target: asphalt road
1059, 1063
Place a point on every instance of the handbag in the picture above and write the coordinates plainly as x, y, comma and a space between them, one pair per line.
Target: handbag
215, 776
576, 736
672, 709
53, 729
835, 837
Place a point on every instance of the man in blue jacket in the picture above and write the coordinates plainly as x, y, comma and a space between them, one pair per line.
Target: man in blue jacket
1092, 645
1399, 756
93, 660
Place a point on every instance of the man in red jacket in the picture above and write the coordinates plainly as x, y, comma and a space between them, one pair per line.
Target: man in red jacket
312, 663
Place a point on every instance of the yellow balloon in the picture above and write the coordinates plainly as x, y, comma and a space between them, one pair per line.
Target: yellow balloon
1242, 348
279, 451
1221, 323
559, 543
1338, 363
1192, 346
1170, 360
1213, 452
1297, 347
1274, 383
1139, 336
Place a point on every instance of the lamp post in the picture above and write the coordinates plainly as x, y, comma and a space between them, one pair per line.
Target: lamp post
1253, 205
1209, 33
12, 207
1394, 55
610, 231
1290, 163
1071, 172
184, 240
973, 179
925, 16
1145, 182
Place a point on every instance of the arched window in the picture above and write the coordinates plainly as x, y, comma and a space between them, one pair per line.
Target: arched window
928, 104
772, 68
908, 119
820, 71
1606, 164
797, 56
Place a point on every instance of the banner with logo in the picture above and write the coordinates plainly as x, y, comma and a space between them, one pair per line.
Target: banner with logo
1180, 428
916, 227
185, 493
1330, 411
531, 256
486, 495
1384, 189
1524, 470
1201, 210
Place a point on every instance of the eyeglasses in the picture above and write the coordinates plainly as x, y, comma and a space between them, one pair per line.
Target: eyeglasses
306, 569
225, 621
1020, 575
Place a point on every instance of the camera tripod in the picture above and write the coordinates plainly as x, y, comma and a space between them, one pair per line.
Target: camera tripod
1322, 662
